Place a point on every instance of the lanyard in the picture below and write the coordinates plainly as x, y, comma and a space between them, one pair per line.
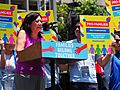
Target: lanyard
83, 62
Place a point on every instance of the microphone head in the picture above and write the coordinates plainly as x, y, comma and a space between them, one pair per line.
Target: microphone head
46, 26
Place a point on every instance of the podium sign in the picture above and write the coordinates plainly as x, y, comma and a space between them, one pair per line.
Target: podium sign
64, 50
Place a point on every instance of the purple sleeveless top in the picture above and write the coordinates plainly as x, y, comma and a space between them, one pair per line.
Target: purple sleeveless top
34, 67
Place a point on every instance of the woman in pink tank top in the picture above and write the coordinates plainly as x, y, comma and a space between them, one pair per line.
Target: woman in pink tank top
29, 75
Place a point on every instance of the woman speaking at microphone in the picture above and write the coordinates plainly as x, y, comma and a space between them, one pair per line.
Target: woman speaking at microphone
29, 75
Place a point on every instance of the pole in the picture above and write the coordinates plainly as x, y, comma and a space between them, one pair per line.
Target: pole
39, 4
52, 6
27, 5
44, 4
9, 1
52, 64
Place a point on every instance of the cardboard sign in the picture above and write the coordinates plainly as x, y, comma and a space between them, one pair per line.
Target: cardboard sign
116, 23
47, 16
96, 33
113, 7
8, 22
64, 50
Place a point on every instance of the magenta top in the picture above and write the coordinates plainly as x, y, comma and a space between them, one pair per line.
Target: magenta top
34, 67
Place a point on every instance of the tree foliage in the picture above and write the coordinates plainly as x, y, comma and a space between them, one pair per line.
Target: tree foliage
87, 7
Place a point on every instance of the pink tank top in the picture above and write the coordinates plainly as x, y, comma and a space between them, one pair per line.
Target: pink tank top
34, 67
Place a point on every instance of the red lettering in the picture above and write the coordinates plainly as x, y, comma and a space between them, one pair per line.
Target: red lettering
97, 24
115, 2
45, 18
6, 12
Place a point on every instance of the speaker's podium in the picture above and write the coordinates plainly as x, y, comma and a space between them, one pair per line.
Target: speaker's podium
33, 52
60, 51
63, 52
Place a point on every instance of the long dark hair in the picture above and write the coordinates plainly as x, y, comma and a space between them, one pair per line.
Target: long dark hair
117, 33
29, 18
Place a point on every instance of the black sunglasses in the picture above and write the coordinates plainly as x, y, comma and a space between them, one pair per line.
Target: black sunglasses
77, 26
117, 40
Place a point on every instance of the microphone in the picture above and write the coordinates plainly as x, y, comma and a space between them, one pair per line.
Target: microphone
52, 25
46, 26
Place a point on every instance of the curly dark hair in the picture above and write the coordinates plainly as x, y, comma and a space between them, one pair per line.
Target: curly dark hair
29, 18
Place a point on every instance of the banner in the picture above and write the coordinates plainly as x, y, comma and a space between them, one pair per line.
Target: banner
64, 50
97, 33
8, 23
113, 7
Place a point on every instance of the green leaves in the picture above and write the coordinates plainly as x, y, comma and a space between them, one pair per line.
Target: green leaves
88, 7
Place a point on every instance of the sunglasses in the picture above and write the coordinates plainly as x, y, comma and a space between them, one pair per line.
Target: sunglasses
77, 26
117, 40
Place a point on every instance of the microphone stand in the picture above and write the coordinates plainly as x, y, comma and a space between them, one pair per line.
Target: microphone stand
52, 62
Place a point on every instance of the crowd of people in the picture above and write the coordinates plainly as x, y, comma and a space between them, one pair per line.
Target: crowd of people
95, 73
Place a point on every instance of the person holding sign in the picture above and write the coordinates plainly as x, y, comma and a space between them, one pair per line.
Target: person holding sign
111, 64
2, 61
82, 73
29, 75
48, 77
7, 64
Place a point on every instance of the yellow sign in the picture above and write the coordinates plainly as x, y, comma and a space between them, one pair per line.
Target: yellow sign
8, 23
47, 16
113, 7
116, 23
96, 33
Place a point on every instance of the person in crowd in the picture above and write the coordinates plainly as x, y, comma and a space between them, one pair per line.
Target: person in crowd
48, 77
48, 83
111, 64
2, 61
7, 64
29, 75
100, 76
82, 73
64, 75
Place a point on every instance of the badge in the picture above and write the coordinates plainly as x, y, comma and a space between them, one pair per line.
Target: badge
85, 71
9, 84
